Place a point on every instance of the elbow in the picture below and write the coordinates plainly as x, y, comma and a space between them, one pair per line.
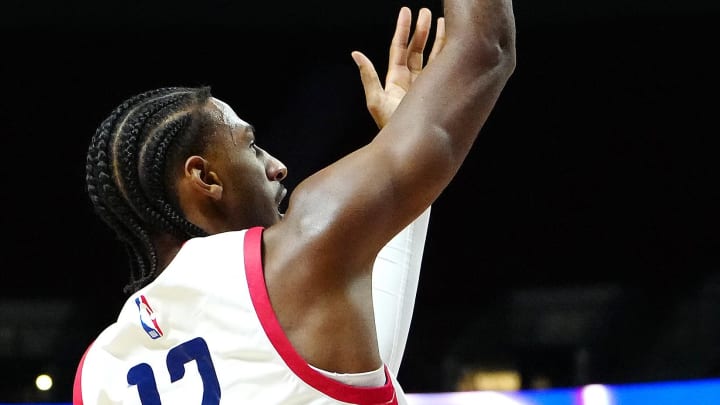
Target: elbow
483, 66
496, 54
485, 46
506, 58
506, 50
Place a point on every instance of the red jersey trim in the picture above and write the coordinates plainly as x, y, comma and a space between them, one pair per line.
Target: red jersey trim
77, 384
261, 301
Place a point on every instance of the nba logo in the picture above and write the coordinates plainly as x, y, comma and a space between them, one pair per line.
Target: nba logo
148, 319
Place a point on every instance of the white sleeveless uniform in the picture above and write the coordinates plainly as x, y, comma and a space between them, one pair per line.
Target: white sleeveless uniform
204, 332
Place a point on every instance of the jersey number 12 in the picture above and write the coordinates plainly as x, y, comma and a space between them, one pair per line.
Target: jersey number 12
196, 349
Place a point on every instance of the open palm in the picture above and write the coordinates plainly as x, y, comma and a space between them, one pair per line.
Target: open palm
405, 63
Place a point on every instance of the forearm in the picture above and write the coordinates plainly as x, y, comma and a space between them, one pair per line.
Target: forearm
479, 57
440, 117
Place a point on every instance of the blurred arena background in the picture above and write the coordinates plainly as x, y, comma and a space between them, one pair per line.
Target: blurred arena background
588, 252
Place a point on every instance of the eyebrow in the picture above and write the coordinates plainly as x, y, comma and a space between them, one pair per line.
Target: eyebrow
248, 128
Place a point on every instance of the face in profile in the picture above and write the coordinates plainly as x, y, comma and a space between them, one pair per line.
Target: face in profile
249, 176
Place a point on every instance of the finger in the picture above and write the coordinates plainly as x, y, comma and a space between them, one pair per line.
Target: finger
439, 41
419, 40
398, 46
368, 76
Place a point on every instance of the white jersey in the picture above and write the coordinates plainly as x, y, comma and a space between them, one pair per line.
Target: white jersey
204, 332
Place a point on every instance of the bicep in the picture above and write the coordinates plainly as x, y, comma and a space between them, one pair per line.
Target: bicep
353, 207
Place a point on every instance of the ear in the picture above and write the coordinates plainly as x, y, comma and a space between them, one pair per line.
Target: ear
202, 179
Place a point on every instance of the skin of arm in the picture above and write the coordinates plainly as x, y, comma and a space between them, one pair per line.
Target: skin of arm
367, 197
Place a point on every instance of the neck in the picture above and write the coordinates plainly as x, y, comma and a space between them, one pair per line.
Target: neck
167, 247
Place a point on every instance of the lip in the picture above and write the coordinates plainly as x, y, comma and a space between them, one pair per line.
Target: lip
282, 192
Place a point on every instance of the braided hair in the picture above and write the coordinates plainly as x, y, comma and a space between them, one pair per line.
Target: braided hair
129, 170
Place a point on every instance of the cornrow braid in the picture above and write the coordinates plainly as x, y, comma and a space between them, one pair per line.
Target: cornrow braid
129, 170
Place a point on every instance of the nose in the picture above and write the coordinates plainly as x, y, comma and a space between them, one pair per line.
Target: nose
276, 170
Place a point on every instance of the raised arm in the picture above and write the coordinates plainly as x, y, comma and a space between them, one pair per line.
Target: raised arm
367, 197
319, 259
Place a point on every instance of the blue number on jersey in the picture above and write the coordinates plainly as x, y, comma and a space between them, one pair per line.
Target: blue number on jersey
195, 349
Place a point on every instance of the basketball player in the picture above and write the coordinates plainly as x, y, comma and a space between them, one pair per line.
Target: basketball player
232, 301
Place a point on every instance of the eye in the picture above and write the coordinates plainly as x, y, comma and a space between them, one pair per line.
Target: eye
254, 147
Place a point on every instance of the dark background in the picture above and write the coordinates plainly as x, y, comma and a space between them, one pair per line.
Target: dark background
578, 244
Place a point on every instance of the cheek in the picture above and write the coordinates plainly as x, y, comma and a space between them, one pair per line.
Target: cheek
254, 182
250, 179
248, 171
